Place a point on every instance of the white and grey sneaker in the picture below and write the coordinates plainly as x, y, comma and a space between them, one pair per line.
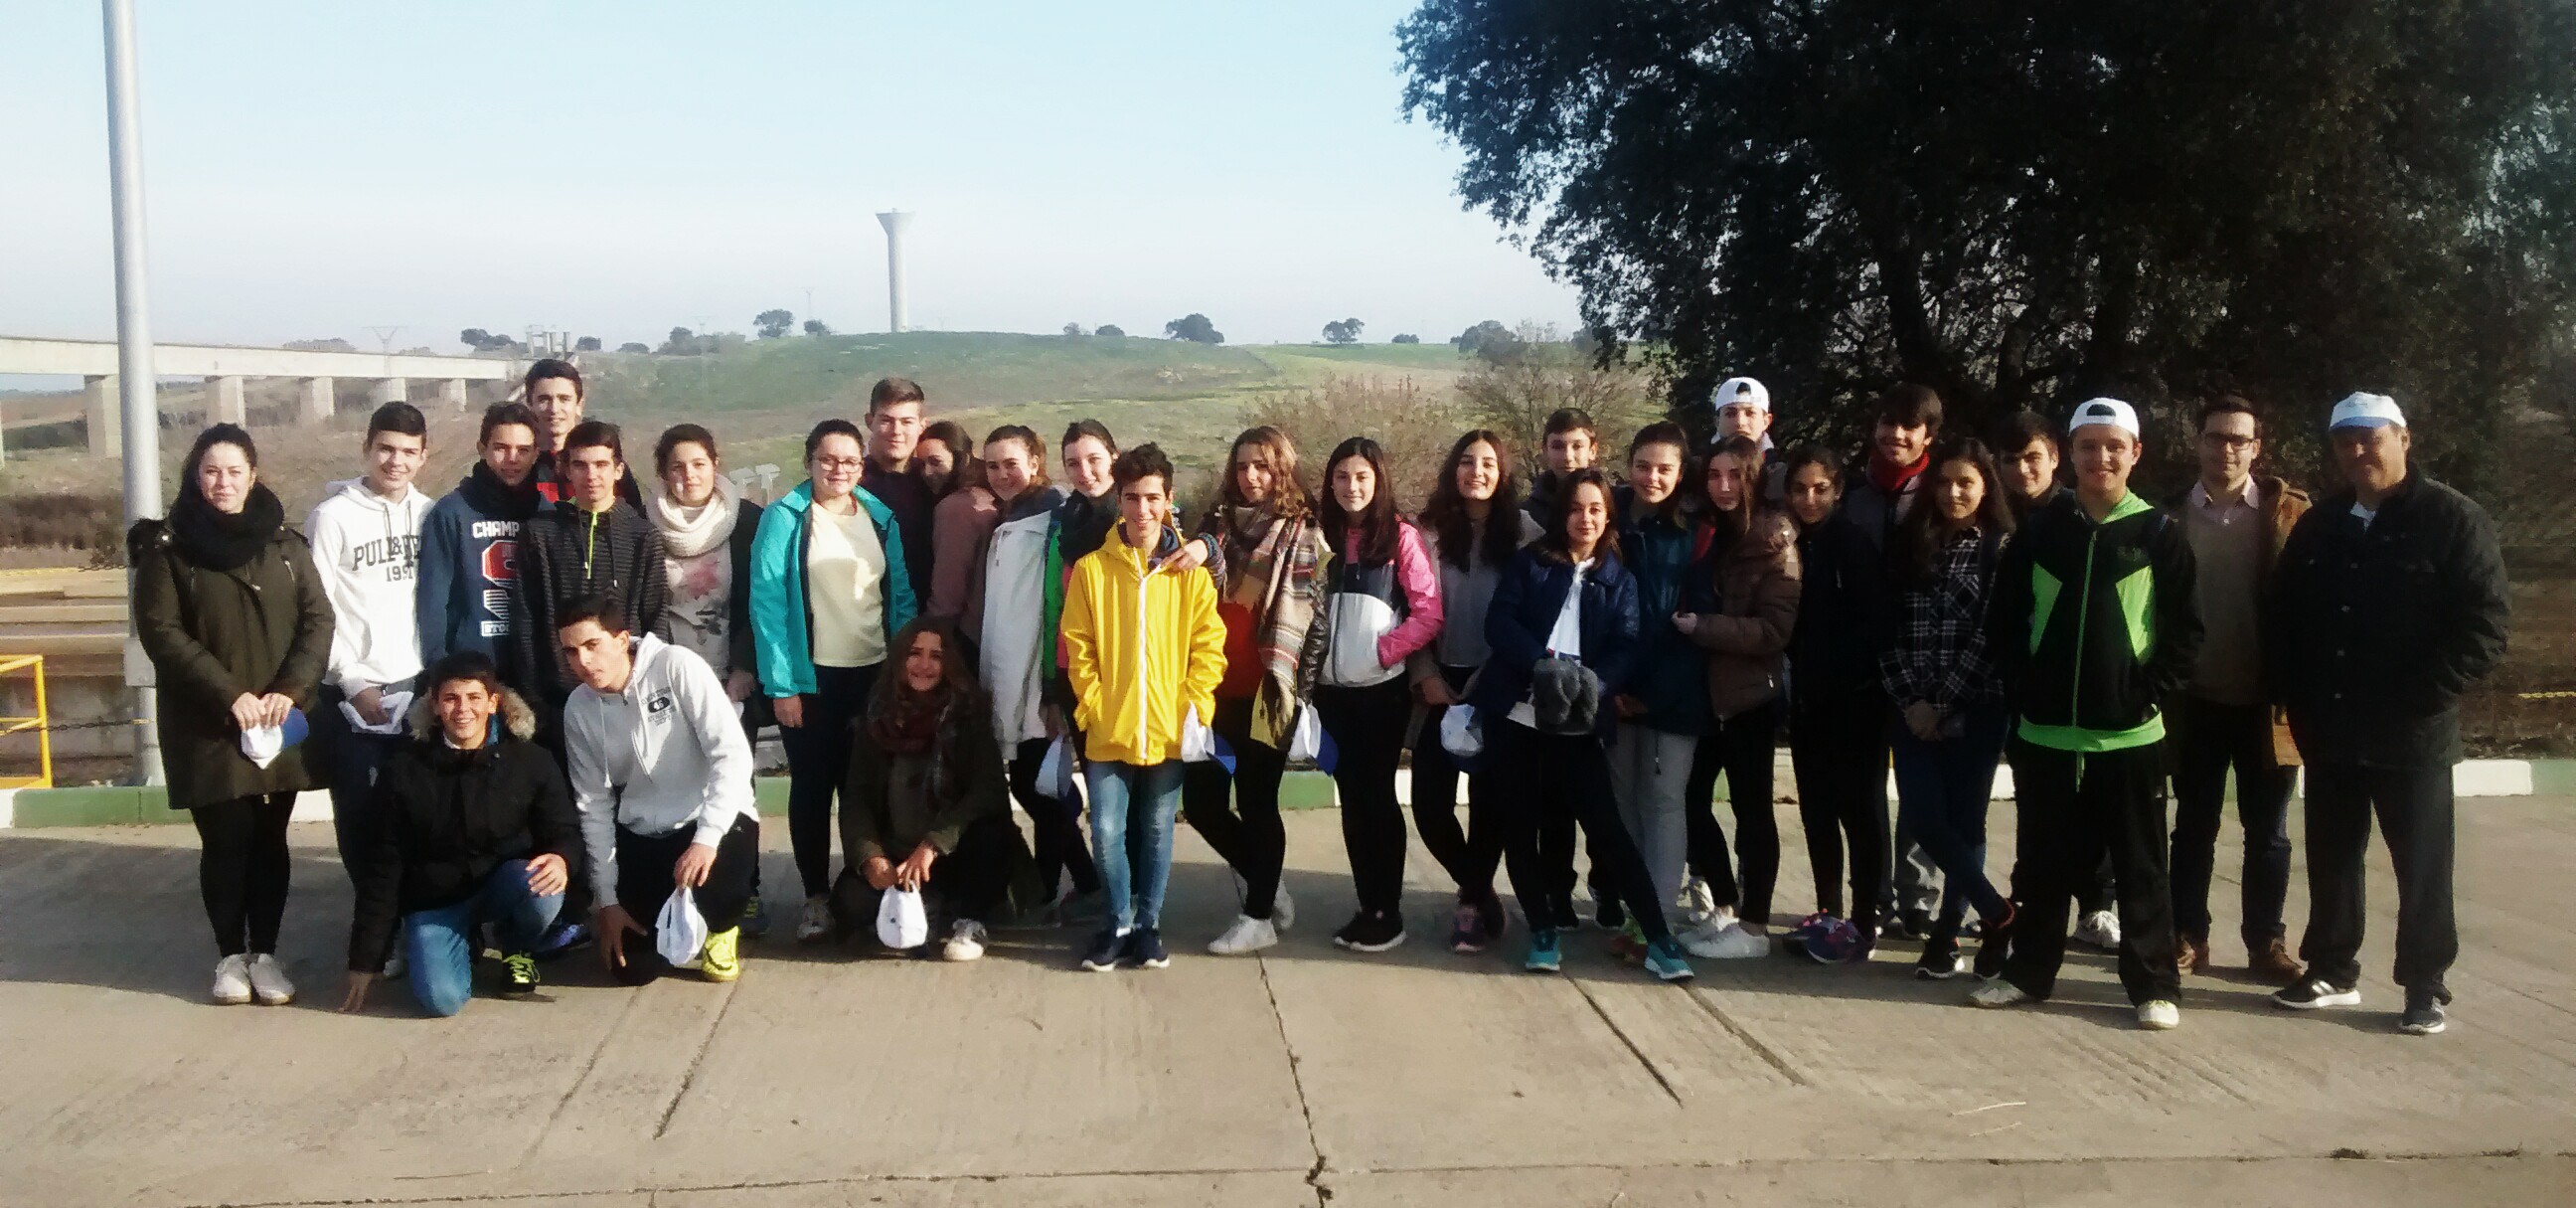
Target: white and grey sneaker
232, 980
1997, 994
395, 967
1726, 943
2158, 1015
268, 984
965, 941
1248, 935
2316, 993
814, 922
1699, 903
2100, 929
1283, 909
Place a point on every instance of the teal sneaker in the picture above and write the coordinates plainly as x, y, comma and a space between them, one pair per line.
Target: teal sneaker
1664, 960
1543, 957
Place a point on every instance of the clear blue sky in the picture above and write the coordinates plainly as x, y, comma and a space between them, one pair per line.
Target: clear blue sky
616, 169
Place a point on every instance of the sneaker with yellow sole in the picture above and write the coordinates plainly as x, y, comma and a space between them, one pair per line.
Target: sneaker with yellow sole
722, 960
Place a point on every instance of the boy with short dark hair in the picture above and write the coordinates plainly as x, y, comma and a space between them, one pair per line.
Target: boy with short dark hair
1570, 442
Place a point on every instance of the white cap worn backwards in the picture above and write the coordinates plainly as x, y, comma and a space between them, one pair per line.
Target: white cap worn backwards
1740, 390
2364, 410
2106, 412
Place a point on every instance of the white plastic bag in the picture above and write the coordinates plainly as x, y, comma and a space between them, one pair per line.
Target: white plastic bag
1306, 744
1198, 743
680, 932
1055, 770
902, 922
1461, 734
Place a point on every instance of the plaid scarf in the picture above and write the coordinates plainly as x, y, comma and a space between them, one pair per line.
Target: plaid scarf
1278, 580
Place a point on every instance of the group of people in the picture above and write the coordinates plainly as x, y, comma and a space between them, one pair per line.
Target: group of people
534, 700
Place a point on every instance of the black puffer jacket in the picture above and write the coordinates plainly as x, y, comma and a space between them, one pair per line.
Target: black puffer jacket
1844, 610
2373, 633
447, 818
565, 553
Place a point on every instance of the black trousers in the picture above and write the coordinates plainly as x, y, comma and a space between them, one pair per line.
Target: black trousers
1838, 752
2209, 738
818, 761
2414, 807
968, 883
1468, 852
242, 867
1061, 849
1740, 748
1249, 835
1367, 725
2075, 808
2099, 891
644, 864
1567, 776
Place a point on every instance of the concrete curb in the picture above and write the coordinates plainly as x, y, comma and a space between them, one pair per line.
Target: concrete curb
109, 805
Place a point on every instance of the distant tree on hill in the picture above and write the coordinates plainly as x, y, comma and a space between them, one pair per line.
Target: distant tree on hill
682, 342
586, 344
772, 324
1489, 339
816, 327
632, 346
1110, 329
1406, 338
1344, 331
483, 341
1195, 328
1073, 331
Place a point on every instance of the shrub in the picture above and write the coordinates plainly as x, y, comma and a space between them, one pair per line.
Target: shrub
1413, 425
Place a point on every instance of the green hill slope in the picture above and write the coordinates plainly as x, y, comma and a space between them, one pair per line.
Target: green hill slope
961, 370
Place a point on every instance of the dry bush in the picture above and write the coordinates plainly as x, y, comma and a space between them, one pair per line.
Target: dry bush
63, 519
1515, 394
1412, 425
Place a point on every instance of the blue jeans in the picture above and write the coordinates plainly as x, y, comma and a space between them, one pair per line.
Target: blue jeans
439, 943
1135, 862
1942, 789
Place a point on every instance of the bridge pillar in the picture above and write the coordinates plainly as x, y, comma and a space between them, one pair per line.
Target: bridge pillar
224, 402
106, 417
319, 403
388, 390
452, 395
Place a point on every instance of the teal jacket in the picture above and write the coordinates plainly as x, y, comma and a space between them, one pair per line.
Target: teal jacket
782, 624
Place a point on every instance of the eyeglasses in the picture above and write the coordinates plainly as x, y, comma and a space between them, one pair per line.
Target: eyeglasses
2227, 440
839, 463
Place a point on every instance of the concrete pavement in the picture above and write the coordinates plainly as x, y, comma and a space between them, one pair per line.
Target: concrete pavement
1305, 1077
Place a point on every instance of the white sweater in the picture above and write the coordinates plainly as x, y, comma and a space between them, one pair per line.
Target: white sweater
667, 752
368, 549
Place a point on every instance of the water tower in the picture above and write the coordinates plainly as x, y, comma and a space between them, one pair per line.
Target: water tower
895, 221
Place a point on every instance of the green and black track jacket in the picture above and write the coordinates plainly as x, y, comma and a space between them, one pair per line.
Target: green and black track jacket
2094, 624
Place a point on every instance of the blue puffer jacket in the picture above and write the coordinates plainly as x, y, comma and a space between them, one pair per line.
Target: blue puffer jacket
782, 624
1526, 603
1671, 676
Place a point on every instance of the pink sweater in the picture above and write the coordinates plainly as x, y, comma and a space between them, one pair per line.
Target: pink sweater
1420, 580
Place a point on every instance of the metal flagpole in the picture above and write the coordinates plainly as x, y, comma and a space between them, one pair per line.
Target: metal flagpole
135, 380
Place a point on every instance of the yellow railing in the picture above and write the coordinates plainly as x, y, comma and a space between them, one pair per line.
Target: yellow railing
44, 777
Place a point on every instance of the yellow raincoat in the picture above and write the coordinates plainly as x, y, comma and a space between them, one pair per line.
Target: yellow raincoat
1143, 646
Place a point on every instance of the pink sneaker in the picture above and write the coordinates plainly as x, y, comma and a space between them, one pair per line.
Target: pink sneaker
1467, 929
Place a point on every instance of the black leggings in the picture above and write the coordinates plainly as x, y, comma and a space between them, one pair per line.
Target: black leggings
1249, 836
1553, 775
1838, 751
1058, 823
1469, 853
818, 760
1367, 725
644, 867
242, 867
1740, 747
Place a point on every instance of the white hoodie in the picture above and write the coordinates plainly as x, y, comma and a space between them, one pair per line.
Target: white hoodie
369, 552
667, 752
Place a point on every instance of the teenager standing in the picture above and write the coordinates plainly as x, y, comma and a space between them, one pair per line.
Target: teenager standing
1663, 713
469, 545
1384, 606
1143, 649
1021, 603
558, 399
895, 424
1906, 420
229, 608
828, 588
593, 543
1473, 527
1837, 710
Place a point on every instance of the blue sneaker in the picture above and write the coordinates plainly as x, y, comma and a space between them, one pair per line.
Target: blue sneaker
755, 919
1543, 957
1145, 947
563, 938
1664, 960
1106, 948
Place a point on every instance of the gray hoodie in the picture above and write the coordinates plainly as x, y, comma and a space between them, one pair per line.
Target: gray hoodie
667, 752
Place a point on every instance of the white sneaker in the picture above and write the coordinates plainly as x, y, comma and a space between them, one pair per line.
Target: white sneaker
268, 982
1283, 909
965, 941
232, 980
814, 923
1699, 903
2157, 1015
1997, 993
1248, 935
395, 967
1726, 943
2101, 929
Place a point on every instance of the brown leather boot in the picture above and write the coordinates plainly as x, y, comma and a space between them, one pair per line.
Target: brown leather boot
2274, 963
2191, 955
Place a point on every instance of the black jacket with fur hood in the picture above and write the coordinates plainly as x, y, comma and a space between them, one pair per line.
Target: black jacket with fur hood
446, 818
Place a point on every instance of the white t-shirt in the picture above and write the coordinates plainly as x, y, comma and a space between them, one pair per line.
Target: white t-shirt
845, 570
1564, 639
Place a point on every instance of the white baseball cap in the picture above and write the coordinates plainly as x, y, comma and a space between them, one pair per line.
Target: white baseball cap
2364, 410
1740, 390
2105, 412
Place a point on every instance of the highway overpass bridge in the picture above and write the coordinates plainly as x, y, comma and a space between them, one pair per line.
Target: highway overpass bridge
225, 370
